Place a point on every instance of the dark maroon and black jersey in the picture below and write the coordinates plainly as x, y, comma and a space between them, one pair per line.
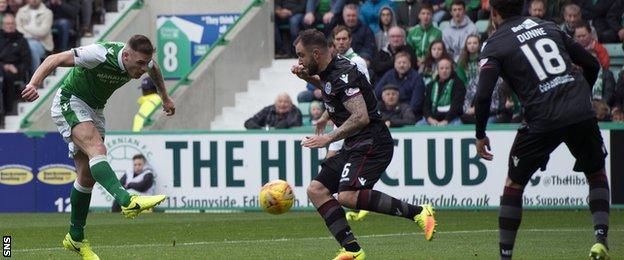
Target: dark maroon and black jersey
343, 81
539, 61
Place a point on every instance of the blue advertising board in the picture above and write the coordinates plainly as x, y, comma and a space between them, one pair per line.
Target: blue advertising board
35, 173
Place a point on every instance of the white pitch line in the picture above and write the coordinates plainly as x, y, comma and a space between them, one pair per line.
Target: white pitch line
257, 241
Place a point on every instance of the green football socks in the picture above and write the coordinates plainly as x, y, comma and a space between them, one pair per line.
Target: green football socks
105, 176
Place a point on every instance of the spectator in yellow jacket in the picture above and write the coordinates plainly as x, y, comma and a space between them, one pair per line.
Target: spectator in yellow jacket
147, 103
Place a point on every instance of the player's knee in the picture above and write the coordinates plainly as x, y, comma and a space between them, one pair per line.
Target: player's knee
347, 198
100, 149
316, 189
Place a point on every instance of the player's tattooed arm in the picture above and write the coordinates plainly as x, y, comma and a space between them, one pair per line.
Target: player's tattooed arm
355, 122
157, 77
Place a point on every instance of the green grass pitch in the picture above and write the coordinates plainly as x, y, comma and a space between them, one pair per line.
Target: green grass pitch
303, 235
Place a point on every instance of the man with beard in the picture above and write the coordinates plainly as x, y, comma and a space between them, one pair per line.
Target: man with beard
367, 151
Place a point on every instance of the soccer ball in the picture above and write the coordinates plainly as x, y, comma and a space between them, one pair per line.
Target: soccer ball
276, 197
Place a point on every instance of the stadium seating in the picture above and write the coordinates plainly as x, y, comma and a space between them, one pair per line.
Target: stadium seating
482, 26
616, 53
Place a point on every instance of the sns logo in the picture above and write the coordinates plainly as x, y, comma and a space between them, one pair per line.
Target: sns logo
362, 181
65, 106
6, 246
516, 160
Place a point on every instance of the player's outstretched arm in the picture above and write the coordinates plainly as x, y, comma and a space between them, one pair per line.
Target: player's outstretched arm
63, 59
157, 78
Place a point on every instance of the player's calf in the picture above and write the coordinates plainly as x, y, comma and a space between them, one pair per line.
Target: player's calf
599, 201
380, 202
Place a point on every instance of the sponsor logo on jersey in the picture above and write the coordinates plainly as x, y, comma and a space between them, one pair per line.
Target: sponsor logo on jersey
352, 91
57, 174
527, 24
15, 174
516, 160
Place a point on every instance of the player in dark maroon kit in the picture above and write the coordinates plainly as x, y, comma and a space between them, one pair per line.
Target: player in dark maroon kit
368, 146
539, 61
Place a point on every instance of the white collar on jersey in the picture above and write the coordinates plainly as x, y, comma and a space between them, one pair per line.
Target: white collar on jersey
119, 60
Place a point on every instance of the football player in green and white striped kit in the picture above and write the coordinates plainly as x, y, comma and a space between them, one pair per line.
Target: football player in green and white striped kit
98, 70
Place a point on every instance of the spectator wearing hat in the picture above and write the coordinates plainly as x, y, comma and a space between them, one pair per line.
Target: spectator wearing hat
147, 103
394, 113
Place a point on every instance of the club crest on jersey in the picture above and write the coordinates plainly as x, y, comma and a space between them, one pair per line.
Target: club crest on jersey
345, 78
352, 91
328, 88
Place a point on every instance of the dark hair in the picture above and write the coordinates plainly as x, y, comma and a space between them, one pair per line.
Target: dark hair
458, 2
141, 44
508, 8
429, 60
585, 25
426, 6
312, 38
340, 28
139, 156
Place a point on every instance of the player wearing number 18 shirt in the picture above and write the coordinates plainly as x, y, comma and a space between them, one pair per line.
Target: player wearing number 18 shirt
552, 76
367, 150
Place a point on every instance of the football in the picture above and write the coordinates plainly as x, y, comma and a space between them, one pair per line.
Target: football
276, 197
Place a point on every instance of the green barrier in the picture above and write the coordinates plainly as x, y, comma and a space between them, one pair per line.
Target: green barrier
221, 41
27, 121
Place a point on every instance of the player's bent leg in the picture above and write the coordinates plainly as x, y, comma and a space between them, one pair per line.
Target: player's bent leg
509, 217
86, 136
349, 200
318, 193
599, 205
331, 211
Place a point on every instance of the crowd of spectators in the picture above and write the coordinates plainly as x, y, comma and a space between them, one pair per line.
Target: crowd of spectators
33, 29
422, 55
